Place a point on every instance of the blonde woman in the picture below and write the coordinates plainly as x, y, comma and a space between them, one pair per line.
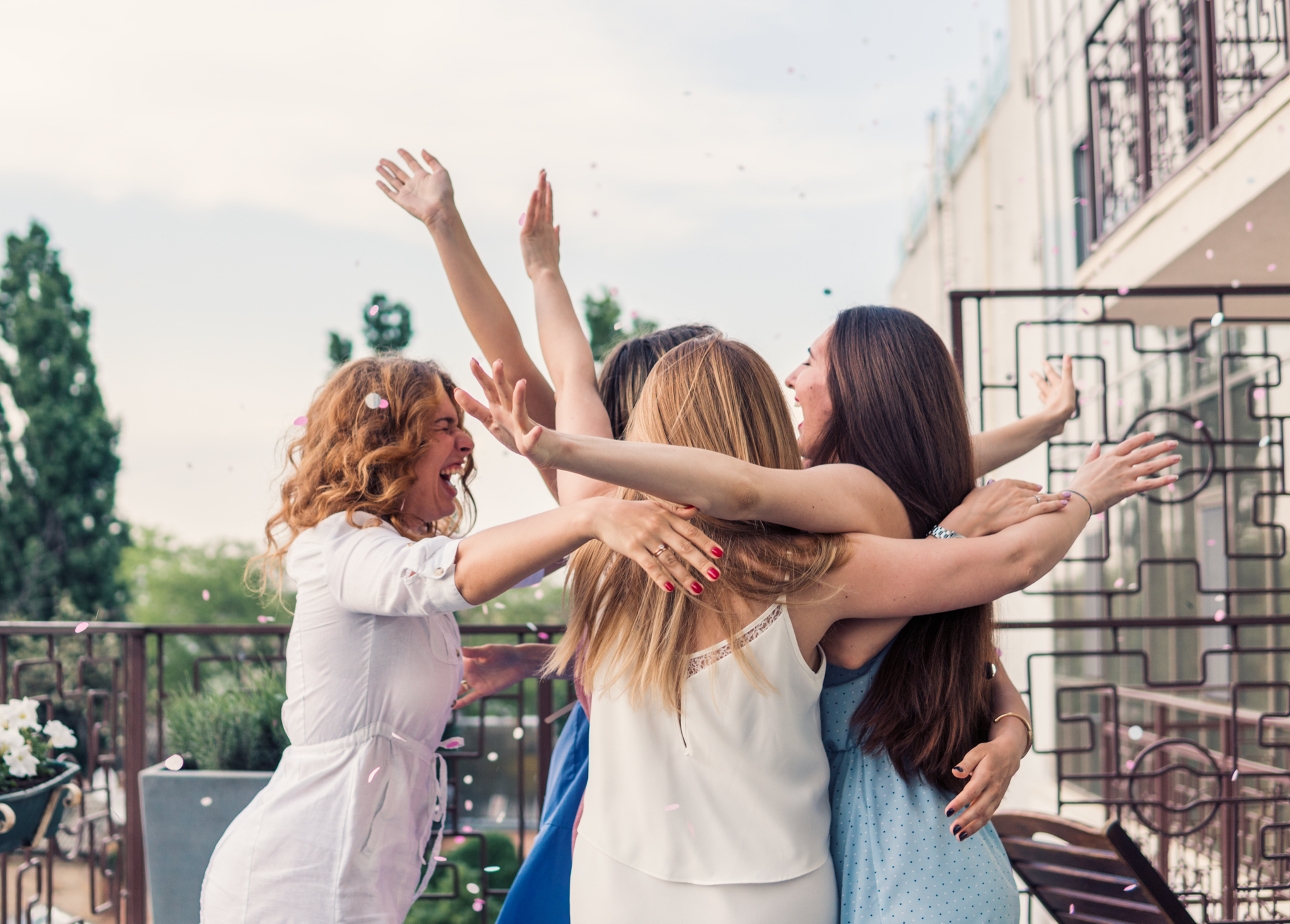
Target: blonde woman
707, 796
348, 827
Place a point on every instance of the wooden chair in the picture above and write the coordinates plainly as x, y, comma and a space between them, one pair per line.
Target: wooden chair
1095, 877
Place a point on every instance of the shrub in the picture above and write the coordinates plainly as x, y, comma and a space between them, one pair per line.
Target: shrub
239, 729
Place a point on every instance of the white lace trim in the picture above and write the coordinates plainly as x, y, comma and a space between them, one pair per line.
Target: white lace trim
710, 656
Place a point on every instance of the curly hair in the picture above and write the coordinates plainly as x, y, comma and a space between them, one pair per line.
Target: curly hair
352, 456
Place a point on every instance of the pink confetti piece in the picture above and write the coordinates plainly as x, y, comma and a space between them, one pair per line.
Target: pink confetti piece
371, 776
300, 421
1249, 226
384, 404
373, 311
1272, 267
206, 595
451, 744
672, 808
691, 827
1119, 582
174, 762
1135, 67
468, 829
262, 619
1129, 764
477, 904
397, 737
81, 627
1209, 255
1123, 290
1235, 773
543, 636
1220, 616
1236, 283
443, 859
1210, 541
1260, 394
1198, 424
1130, 887
523, 215
459, 839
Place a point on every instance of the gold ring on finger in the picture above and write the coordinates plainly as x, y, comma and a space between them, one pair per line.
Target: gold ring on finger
660, 550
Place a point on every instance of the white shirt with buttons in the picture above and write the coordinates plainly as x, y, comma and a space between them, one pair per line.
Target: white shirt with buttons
373, 666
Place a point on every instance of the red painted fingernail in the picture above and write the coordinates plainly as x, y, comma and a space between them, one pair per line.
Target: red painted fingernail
696, 587
669, 586
688, 507
716, 552
714, 573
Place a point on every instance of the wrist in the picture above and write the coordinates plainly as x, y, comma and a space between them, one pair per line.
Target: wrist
1051, 423
961, 522
443, 220
541, 272
1011, 730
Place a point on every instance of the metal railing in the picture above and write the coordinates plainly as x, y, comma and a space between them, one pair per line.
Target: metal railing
111, 682
1161, 680
1165, 78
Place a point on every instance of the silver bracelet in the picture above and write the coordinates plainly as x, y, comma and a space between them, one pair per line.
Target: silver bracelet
940, 532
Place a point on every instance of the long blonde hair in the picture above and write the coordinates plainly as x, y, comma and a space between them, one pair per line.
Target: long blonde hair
709, 393
353, 457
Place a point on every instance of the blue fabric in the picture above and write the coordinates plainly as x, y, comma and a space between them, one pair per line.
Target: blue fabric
540, 892
895, 857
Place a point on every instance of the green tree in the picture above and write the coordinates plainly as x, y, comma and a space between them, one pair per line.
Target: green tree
59, 540
387, 328
605, 325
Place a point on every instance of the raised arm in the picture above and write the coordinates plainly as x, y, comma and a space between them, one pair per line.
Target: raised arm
565, 350
1002, 445
426, 194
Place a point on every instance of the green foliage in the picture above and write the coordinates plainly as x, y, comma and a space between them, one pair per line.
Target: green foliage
59, 541
605, 325
541, 605
238, 729
340, 350
467, 857
389, 328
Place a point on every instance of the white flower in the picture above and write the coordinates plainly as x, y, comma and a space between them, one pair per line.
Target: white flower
60, 736
20, 761
6, 715
11, 738
22, 713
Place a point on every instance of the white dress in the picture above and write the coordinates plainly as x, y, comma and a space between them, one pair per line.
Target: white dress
347, 828
720, 814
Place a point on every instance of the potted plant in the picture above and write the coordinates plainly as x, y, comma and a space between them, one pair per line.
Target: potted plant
226, 747
34, 784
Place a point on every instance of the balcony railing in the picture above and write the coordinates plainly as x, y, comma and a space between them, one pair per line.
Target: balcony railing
1166, 78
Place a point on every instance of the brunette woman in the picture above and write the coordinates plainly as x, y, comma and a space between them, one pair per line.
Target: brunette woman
707, 795
348, 827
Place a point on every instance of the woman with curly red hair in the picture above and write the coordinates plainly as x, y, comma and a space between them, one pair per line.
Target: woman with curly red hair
348, 827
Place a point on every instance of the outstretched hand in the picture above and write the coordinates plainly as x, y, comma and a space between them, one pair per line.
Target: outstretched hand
425, 194
1105, 479
506, 414
996, 505
539, 235
1058, 394
988, 768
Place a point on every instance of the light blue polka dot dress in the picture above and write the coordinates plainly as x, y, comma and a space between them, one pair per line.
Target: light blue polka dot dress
895, 857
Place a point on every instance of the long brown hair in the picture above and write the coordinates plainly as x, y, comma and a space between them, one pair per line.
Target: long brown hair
898, 410
627, 365
715, 394
353, 457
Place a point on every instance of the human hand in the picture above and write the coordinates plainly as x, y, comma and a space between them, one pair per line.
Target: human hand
999, 504
664, 543
988, 768
1105, 479
490, 669
1058, 394
506, 415
540, 236
426, 195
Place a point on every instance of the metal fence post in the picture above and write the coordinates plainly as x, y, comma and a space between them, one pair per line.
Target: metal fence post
136, 730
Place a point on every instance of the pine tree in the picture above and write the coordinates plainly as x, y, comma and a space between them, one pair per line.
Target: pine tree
59, 541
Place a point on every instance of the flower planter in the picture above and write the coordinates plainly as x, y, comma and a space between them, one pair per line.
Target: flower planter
185, 813
29, 815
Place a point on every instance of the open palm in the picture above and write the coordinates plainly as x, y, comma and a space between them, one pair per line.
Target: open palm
423, 193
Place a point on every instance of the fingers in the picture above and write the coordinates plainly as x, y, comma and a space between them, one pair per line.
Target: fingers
504, 386
530, 215
476, 410
389, 192
485, 382
1155, 465
413, 164
432, 162
1132, 443
1149, 452
1041, 384
1049, 506
1150, 484
1094, 452
393, 172
478, 652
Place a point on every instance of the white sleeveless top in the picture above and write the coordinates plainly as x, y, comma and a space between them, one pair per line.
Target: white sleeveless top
734, 791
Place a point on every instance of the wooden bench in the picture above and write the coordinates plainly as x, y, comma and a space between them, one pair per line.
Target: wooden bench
1095, 877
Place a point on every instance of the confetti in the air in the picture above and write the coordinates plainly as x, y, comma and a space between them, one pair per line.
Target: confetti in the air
1236, 283
1130, 887
518, 733
300, 421
492, 755
672, 808
1198, 425
469, 804
372, 312
1209, 254
262, 619
1235, 774
1260, 394
441, 859
206, 595
1217, 319
1072, 903
542, 636
1209, 541
1119, 582
1220, 616
492, 869
531, 627
174, 762
472, 888
373, 400
1265, 441
1129, 764
1123, 290
477, 905
207, 801
452, 744
384, 404
523, 215
828, 291
1272, 267
1249, 226
1135, 732
81, 627
371, 776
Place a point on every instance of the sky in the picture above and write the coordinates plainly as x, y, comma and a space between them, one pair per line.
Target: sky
207, 173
